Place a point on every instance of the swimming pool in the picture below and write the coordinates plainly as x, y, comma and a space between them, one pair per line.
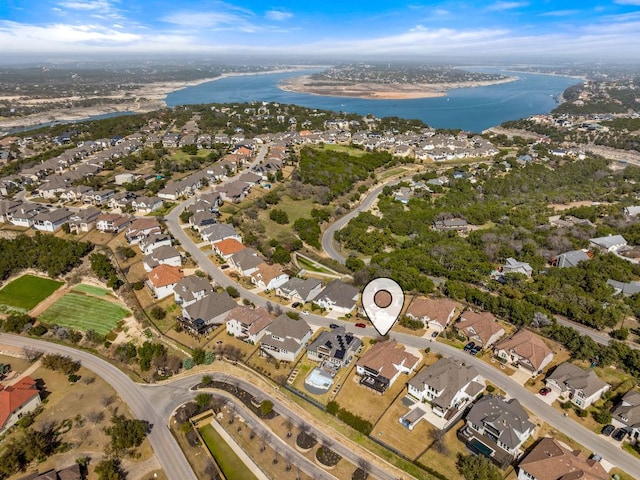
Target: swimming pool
318, 382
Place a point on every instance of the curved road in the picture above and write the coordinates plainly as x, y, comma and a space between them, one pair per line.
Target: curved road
167, 450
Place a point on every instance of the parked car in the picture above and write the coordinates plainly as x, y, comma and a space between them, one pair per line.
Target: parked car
546, 391
361, 325
224, 267
434, 334
619, 434
305, 312
608, 430
475, 350
469, 346
296, 304
333, 325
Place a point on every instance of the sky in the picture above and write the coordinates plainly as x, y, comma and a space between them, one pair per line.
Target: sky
474, 29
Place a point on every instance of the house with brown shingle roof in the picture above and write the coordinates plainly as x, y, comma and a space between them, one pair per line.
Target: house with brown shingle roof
434, 313
525, 349
191, 289
582, 387
248, 323
482, 328
268, 276
16, 400
227, 247
381, 365
285, 338
551, 460
163, 279
209, 311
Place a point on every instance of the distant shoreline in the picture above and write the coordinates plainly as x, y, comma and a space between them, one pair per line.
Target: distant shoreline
147, 98
377, 91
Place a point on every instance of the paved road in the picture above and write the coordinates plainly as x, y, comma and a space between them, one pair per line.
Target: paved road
167, 450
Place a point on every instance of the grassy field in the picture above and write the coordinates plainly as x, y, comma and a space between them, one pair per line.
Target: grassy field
91, 290
28, 291
83, 312
356, 152
232, 467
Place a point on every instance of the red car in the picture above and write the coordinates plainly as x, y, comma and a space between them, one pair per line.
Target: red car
361, 325
545, 391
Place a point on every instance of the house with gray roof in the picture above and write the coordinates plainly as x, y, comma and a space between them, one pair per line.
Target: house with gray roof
497, 428
153, 241
245, 261
514, 266
51, 221
300, 289
164, 255
626, 414
570, 259
191, 289
449, 385
209, 311
219, 231
624, 288
335, 347
84, 220
6, 208
338, 297
609, 243
582, 387
285, 338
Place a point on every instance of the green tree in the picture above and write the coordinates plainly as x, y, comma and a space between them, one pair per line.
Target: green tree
279, 216
126, 433
266, 407
477, 467
232, 291
110, 469
203, 401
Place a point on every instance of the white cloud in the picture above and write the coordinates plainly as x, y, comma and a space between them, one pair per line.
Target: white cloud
635, 3
560, 13
278, 15
501, 6
86, 5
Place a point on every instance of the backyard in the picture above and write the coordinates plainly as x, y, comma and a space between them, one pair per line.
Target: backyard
85, 312
27, 291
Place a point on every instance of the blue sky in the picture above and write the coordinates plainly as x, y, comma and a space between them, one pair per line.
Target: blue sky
600, 30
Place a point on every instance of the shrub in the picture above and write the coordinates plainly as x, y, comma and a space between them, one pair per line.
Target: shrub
279, 216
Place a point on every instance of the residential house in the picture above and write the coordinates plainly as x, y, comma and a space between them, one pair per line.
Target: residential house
141, 228
17, 400
301, 290
482, 328
164, 255
227, 247
626, 414
381, 365
552, 460
610, 243
84, 220
234, 192
24, 215
285, 338
514, 266
248, 324
453, 224
219, 231
625, 288
163, 279
7, 207
434, 313
570, 259
191, 289
631, 211
153, 241
72, 472
122, 178
245, 261
201, 220
112, 222
582, 387
51, 221
449, 385
497, 428
338, 297
268, 276
209, 311
146, 205
76, 194
526, 350
335, 348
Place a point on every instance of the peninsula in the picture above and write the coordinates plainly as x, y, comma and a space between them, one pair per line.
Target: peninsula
389, 81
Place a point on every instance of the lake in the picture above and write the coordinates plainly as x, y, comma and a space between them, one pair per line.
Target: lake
472, 109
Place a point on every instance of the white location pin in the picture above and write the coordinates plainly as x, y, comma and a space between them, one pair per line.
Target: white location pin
382, 300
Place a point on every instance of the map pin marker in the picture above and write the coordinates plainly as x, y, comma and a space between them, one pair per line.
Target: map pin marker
382, 300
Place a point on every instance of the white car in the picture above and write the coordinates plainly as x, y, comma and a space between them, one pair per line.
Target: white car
305, 312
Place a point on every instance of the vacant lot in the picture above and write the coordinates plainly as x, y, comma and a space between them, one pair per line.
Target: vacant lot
232, 467
27, 291
85, 312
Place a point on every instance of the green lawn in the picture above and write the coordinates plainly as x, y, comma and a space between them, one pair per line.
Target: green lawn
232, 467
28, 291
356, 152
84, 312
91, 290
312, 267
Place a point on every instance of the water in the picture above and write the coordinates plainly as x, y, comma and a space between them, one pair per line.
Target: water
472, 109
102, 116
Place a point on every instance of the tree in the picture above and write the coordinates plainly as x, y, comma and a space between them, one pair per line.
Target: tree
266, 407
157, 313
203, 401
477, 467
126, 433
232, 291
279, 216
110, 469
